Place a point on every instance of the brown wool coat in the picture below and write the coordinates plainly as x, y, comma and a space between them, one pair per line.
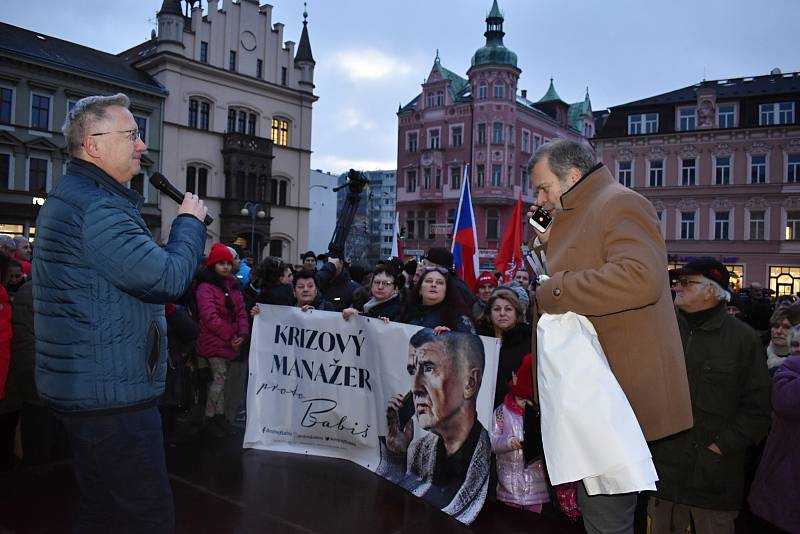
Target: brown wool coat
607, 261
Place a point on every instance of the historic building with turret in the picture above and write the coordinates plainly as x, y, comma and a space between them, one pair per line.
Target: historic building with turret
483, 121
237, 119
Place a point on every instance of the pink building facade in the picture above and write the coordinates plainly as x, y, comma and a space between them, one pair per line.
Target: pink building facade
720, 161
481, 122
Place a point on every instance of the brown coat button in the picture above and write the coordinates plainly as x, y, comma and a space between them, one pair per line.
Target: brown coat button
556, 291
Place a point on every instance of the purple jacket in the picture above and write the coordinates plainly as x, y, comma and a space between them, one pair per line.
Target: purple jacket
217, 326
775, 493
516, 483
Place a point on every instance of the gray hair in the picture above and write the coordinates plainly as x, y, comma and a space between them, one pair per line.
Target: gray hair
466, 350
720, 293
21, 239
85, 114
562, 156
6, 241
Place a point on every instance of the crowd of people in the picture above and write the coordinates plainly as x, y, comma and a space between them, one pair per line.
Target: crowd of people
710, 374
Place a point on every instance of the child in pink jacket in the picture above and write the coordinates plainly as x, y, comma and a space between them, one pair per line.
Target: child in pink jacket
223, 329
518, 485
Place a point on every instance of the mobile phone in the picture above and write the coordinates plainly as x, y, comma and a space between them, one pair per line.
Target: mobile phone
540, 220
406, 411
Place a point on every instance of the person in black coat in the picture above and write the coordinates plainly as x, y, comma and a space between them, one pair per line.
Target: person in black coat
386, 295
504, 318
334, 283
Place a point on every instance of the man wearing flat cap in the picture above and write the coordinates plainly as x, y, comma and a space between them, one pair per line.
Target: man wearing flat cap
701, 470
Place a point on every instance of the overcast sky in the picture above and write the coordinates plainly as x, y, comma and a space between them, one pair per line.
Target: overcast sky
372, 55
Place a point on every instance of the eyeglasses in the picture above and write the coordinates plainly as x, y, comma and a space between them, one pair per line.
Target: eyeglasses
685, 282
382, 283
132, 135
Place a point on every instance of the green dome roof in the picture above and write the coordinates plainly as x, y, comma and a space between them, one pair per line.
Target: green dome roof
494, 55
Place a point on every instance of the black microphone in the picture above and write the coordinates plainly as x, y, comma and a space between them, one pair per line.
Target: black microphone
161, 183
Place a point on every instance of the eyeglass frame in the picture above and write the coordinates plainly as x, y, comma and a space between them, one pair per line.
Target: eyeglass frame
685, 282
440, 270
383, 283
133, 134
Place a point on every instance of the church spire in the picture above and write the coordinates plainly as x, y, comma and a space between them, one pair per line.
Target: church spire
304, 47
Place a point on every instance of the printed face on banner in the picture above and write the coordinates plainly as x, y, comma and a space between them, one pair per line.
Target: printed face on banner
437, 385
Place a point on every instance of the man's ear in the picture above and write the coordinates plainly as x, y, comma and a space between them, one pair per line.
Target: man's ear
91, 147
473, 383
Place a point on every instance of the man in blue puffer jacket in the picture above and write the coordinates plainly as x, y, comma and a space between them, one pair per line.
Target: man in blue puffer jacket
100, 285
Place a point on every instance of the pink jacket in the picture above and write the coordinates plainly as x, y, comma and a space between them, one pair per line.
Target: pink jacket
217, 326
516, 483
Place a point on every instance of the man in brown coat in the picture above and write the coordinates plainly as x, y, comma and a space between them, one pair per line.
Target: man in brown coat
607, 261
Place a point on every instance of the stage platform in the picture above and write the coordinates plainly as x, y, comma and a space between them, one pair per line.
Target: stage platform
221, 488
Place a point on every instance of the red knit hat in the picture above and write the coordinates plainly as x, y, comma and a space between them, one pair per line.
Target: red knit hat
524, 386
219, 252
486, 278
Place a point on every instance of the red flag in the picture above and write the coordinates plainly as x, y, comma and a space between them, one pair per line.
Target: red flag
509, 257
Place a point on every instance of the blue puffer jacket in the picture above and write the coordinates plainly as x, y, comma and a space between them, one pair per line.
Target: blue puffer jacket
100, 285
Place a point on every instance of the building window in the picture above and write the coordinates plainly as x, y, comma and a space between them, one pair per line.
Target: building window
278, 192
5, 172
687, 225
482, 90
141, 123
523, 179
722, 225
537, 142
197, 180
497, 132
688, 171
284, 74
722, 170
241, 121
776, 113
231, 121
411, 181
280, 132
40, 112
411, 141
687, 119
429, 100
526, 141
492, 223
433, 139
203, 52
259, 68
625, 173
499, 90
37, 175
656, 173
758, 169
642, 123
757, 225
455, 177
426, 178
440, 98
784, 280
6, 104
232, 60
431, 224
482, 133
726, 116
456, 136
497, 175
481, 175
251, 124
438, 178
793, 168
199, 114
792, 231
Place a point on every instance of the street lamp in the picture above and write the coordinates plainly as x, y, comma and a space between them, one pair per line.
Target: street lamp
254, 210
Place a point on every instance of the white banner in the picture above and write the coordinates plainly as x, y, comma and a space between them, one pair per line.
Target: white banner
321, 385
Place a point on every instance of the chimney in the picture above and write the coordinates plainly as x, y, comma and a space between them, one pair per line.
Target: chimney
525, 94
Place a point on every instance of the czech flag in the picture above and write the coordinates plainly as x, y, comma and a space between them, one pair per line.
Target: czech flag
397, 244
465, 237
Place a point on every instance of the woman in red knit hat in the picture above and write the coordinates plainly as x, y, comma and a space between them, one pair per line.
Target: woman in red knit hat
223, 329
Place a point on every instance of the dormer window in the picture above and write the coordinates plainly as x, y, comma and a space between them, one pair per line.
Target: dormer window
642, 123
